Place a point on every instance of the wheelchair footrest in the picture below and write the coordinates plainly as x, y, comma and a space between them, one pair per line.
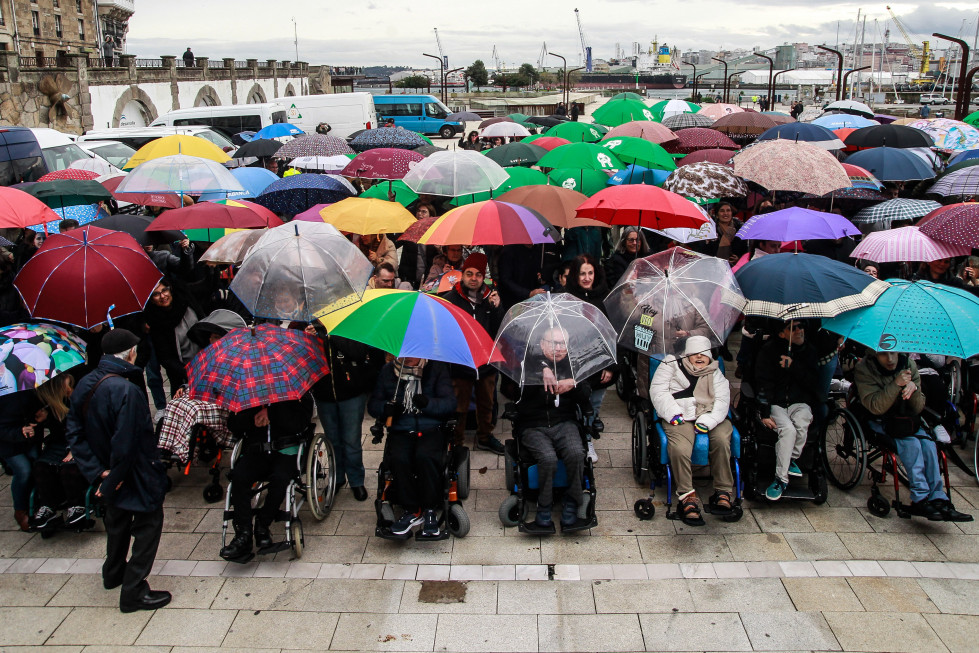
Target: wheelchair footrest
386, 534
580, 525
274, 548
421, 537
533, 528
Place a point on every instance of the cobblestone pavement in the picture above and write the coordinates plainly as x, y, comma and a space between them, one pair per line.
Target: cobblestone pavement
788, 576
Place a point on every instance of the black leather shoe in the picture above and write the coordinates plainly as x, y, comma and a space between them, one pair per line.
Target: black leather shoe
240, 548
111, 584
925, 509
360, 493
948, 511
263, 536
152, 600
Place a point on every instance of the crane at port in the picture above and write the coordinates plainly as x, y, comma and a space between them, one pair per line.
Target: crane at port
496, 59
585, 50
919, 52
438, 42
542, 59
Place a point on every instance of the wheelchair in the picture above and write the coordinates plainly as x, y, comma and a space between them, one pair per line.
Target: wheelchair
520, 470
453, 519
94, 510
202, 448
314, 482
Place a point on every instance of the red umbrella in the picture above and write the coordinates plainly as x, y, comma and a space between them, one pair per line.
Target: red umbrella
842, 133
714, 155
224, 214
651, 131
644, 206
382, 163
21, 210
69, 173
77, 277
550, 142
417, 230
144, 199
699, 138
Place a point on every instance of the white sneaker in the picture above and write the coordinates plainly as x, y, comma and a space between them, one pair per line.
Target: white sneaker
592, 454
941, 434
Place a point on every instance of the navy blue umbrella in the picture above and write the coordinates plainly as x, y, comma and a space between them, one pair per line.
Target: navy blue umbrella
804, 131
892, 164
386, 137
962, 157
297, 193
797, 286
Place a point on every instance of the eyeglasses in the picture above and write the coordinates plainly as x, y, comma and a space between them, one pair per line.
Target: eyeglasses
160, 293
632, 240
557, 344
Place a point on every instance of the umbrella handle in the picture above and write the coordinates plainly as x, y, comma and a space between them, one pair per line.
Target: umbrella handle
108, 317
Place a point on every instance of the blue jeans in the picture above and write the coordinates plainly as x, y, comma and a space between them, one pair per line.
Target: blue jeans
20, 465
596, 399
342, 422
920, 459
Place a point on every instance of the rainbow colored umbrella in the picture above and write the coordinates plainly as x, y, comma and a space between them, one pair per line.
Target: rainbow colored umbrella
490, 223
407, 323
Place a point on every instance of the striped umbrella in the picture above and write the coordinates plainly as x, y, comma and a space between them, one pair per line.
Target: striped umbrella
964, 182
896, 209
490, 223
905, 244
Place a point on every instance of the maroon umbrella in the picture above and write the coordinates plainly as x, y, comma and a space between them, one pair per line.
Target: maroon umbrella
713, 155
746, 123
699, 138
224, 214
957, 224
382, 163
77, 277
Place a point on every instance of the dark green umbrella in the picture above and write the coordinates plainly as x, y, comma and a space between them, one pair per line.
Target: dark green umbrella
639, 151
516, 154
69, 192
402, 194
627, 96
518, 177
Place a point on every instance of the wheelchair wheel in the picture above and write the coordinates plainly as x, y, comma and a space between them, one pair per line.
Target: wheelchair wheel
640, 451
213, 492
462, 474
296, 533
878, 505
624, 384
457, 521
975, 457
510, 511
509, 465
844, 450
320, 476
644, 509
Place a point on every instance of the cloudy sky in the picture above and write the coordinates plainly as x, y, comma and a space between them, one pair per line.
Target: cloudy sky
397, 32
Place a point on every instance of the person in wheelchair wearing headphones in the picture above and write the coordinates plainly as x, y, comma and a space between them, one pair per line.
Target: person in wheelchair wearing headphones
272, 436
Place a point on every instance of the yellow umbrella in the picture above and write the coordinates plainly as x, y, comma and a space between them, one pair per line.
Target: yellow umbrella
178, 144
359, 215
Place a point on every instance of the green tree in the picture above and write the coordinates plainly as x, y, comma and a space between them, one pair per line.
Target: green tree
477, 74
528, 72
412, 81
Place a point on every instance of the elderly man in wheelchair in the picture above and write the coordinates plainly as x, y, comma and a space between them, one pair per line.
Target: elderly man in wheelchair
888, 386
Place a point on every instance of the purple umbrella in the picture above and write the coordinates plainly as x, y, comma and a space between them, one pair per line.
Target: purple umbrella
312, 214
796, 224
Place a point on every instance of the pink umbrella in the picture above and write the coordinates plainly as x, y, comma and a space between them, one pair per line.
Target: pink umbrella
651, 131
382, 163
714, 155
905, 244
720, 110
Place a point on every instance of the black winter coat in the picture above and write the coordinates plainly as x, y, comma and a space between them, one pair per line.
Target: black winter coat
354, 367
784, 386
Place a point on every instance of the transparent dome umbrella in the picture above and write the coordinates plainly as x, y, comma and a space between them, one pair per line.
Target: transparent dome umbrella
455, 173
301, 271
663, 298
182, 175
571, 337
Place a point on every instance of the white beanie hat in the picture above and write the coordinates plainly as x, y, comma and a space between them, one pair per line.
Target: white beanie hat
697, 345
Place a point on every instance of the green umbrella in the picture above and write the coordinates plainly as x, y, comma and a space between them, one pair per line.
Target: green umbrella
402, 194
639, 151
584, 181
516, 154
668, 108
426, 139
60, 193
581, 155
518, 177
618, 112
518, 117
578, 132
972, 119
627, 96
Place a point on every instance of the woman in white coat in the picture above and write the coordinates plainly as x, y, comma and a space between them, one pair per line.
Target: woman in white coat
692, 397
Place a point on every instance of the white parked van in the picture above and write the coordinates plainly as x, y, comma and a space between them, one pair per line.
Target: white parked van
140, 136
228, 119
344, 112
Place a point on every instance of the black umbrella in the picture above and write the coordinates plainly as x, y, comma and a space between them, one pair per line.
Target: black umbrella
428, 150
135, 226
889, 136
464, 116
263, 147
547, 121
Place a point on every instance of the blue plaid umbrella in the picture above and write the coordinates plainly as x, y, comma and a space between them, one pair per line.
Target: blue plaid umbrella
84, 213
278, 130
386, 137
297, 193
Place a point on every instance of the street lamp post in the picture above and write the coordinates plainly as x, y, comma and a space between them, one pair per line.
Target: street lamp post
771, 70
729, 78
847, 76
567, 84
962, 93
446, 83
694, 93
775, 81
839, 69
441, 70
564, 75
725, 76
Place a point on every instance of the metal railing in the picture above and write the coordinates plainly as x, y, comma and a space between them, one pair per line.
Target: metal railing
242, 64
149, 63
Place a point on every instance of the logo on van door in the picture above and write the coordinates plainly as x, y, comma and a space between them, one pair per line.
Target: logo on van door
294, 113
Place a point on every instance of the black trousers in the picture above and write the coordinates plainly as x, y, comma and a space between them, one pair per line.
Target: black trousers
416, 462
253, 467
143, 529
58, 485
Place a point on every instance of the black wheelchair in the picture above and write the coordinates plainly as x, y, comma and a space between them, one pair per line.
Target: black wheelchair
453, 519
204, 449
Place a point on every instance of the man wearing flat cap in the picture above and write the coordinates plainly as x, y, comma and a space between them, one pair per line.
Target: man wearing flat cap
112, 440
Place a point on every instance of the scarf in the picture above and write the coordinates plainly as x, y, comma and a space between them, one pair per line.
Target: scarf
412, 376
703, 391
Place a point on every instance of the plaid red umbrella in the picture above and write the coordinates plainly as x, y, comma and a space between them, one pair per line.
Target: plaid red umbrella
77, 277
69, 173
417, 230
699, 138
255, 367
382, 163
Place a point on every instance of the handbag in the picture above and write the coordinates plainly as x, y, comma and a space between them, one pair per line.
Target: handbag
898, 426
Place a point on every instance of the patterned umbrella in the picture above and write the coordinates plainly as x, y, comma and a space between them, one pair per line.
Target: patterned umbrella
386, 137
622, 111
233, 247
699, 138
667, 108
714, 155
686, 121
650, 131
546, 142
578, 132
744, 125
892, 164
455, 173
861, 178
787, 165
490, 223
963, 182
418, 229
706, 181
639, 151
587, 156
905, 244
69, 173
314, 145
256, 366
82, 213
719, 110
295, 194
895, 209
382, 163
796, 223
957, 224
802, 131
32, 354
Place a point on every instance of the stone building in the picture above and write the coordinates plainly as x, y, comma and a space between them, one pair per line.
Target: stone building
49, 28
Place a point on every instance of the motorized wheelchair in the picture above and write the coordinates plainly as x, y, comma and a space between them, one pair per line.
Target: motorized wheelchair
521, 474
314, 481
453, 519
204, 441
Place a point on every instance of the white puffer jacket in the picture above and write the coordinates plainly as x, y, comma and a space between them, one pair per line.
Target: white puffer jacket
669, 378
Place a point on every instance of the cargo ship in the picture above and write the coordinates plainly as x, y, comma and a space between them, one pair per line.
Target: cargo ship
653, 69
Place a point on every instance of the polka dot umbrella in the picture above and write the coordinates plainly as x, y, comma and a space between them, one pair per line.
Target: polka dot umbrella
957, 224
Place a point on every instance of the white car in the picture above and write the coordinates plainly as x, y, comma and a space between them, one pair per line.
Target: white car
934, 98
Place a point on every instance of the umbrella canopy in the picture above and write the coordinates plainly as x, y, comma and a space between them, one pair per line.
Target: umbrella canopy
135, 226
360, 215
463, 116
619, 112
639, 151
896, 209
719, 110
796, 223
627, 95
687, 120
667, 108
915, 317
19, 209
587, 182
382, 163
787, 165
95, 164
891, 164
491, 222
559, 332
300, 271
893, 136
633, 174
314, 145
578, 132
295, 194
232, 248
408, 324
492, 121
256, 366
963, 157
82, 213
683, 235
69, 192
211, 219
905, 244
972, 118
253, 180
555, 203
455, 173
964, 182
546, 142
745, 124
699, 138
504, 130
957, 224
650, 131
663, 298
547, 121
850, 106
706, 181
334, 163
714, 155
586, 156
258, 148
277, 130
418, 229
181, 144
861, 178
33, 354
179, 174
835, 121
802, 131
79, 276
402, 194
798, 286
70, 173
517, 177
642, 205
516, 154
385, 137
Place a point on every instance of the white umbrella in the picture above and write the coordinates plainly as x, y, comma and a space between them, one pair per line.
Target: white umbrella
850, 106
504, 130
334, 163
454, 173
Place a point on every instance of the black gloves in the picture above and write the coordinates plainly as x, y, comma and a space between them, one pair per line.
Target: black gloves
420, 401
